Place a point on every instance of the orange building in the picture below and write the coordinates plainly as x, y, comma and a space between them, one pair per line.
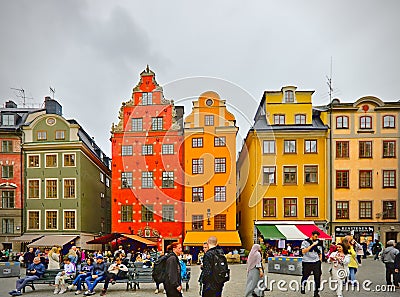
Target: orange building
210, 168
147, 184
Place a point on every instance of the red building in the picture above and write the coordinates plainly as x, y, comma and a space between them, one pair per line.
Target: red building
147, 176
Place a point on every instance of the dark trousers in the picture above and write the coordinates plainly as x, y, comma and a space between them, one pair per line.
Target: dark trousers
389, 273
109, 277
315, 268
172, 292
211, 293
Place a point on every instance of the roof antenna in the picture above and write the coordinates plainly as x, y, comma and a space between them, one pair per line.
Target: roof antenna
53, 91
329, 83
21, 95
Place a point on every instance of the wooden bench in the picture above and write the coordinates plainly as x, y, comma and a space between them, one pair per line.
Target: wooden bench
50, 275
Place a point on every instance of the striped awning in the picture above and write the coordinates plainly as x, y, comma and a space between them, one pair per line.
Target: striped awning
289, 230
270, 232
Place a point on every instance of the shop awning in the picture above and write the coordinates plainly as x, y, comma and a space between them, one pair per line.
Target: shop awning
53, 240
307, 229
225, 238
291, 232
140, 239
105, 238
26, 238
270, 232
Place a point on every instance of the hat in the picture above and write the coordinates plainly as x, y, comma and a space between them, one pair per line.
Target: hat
99, 257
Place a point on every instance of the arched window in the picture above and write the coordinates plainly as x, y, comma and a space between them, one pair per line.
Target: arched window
289, 96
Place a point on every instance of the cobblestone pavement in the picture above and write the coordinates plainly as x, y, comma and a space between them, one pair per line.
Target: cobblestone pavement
371, 270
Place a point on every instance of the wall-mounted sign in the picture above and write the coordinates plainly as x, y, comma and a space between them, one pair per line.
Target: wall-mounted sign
341, 231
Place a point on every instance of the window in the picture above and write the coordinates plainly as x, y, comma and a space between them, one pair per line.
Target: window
289, 175
269, 207
126, 213
389, 178
7, 226
157, 124
69, 160
51, 160
342, 179
220, 194
60, 134
269, 146
34, 188
220, 165
33, 161
127, 150
389, 121
137, 124
41, 135
389, 209
69, 188
147, 213
197, 142
51, 188
147, 98
126, 180
168, 179
197, 222
197, 194
365, 209
311, 207
147, 149
102, 200
365, 149
102, 176
342, 149
342, 209
289, 146
33, 219
289, 96
279, 119
7, 120
51, 220
7, 171
197, 166
209, 120
107, 182
220, 222
269, 175
220, 141
69, 219
342, 122
167, 149
310, 146
300, 119
365, 179
290, 207
310, 174
168, 213
147, 180
365, 122
7, 146
7, 199
389, 149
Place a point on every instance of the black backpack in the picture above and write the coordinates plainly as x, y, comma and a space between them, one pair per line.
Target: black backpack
221, 272
159, 269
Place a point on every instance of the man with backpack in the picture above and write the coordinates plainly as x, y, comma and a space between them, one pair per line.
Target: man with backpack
215, 270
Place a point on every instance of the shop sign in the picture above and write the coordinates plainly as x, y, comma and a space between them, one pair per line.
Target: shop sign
341, 231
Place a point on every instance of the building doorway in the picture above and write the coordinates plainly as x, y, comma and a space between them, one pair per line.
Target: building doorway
391, 236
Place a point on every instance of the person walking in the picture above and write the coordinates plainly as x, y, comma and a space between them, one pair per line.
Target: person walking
173, 280
311, 262
376, 249
28, 257
212, 287
349, 242
396, 276
339, 260
54, 259
255, 272
388, 257
201, 257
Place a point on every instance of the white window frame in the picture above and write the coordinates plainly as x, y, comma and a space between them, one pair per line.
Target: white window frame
269, 141
27, 157
40, 188
45, 188
64, 159
166, 146
45, 160
45, 216
40, 219
63, 185
75, 211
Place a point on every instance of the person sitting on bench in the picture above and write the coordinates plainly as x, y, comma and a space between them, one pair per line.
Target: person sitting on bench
98, 273
34, 271
117, 270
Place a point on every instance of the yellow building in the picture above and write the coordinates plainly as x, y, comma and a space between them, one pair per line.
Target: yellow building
282, 169
365, 137
210, 172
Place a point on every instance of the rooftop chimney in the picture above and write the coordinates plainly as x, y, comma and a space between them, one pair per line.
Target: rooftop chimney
11, 104
52, 106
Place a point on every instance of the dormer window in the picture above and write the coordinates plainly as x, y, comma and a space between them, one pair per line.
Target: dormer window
365, 122
279, 119
147, 98
300, 119
8, 120
289, 96
388, 121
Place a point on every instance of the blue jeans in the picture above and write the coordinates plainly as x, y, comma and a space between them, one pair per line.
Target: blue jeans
21, 283
352, 274
90, 285
78, 280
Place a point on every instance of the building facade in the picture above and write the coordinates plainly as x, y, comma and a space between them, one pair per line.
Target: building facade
365, 158
282, 169
210, 172
147, 186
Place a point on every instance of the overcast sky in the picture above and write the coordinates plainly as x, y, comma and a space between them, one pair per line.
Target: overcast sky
92, 52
